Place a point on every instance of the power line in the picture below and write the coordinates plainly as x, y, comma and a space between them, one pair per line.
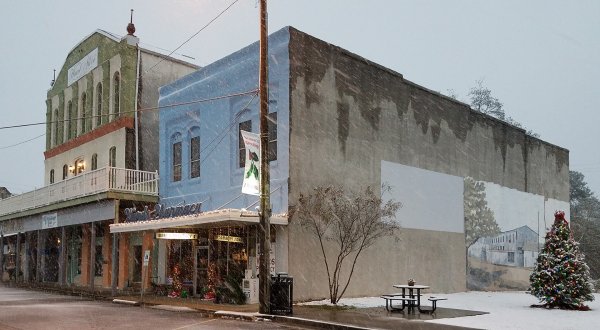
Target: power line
16, 144
254, 91
195, 34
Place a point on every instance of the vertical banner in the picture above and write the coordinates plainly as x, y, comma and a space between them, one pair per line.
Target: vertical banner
251, 184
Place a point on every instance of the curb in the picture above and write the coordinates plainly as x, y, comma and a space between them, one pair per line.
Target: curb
126, 302
289, 320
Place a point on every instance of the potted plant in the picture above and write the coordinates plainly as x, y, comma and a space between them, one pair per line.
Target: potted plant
411, 282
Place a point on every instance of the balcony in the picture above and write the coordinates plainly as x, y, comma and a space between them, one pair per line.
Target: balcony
107, 179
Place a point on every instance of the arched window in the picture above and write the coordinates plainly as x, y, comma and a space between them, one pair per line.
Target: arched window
70, 120
78, 167
65, 171
84, 113
176, 157
55, 128
112, 157
99, 105
116, 94
52, 176
94, 162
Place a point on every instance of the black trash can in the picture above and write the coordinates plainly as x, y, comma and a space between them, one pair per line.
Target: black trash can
282, 294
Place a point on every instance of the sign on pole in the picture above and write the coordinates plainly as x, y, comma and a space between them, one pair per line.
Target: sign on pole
251, 184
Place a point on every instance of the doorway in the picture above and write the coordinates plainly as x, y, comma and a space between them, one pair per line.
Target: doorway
202, 262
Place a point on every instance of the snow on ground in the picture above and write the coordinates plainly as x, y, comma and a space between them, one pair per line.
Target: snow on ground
507, 310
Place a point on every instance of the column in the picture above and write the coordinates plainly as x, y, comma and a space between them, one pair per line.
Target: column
114, 263
85, 255
62, 257
18, 257
107, 257
26, 256
92, 254
123, 260
38, 257
147, 244
1, 255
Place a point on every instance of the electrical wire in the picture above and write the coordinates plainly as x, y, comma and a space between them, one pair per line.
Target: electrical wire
16, 144
194, 35
254, 91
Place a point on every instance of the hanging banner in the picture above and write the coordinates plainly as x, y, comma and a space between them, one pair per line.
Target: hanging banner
251, 184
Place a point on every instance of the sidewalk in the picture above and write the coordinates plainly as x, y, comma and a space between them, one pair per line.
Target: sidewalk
314, 316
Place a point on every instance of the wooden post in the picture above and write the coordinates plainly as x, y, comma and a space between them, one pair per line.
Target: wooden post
92, 255
265, 205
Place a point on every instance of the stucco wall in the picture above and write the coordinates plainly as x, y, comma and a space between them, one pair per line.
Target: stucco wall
349, 114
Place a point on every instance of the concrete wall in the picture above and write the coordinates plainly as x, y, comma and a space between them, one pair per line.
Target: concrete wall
348, 115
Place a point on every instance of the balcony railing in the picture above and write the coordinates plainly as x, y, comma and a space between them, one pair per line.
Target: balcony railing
85, 184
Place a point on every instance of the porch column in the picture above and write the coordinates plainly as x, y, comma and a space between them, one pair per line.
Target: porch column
92, 255
114, 279
18, 257
106, 257
85, 255
123, 267
1, 255
62, 257
26, 256
147, 244
38, 257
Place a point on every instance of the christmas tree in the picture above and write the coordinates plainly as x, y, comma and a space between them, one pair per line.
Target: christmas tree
561, 278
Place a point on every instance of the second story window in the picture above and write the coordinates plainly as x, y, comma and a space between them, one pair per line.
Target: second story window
70, 120
272, 119
243, 126
94, 162
99, 105
116, 94
84, 113
177, 161
65, 171
195, 157
55, 125
112, 157
51, 176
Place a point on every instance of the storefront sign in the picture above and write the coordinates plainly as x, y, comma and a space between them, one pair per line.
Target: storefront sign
251, 184
160, 211
49, 220
83, 67
176, 236
225, 238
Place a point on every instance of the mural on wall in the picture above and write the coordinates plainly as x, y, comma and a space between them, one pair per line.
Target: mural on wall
504, 228
504, 231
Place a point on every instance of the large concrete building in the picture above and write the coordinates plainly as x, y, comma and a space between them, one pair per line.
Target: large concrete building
101, 157
338, 118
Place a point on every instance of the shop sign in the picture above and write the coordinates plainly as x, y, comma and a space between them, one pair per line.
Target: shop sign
226, 238
160, 212
83, 67
176, 236
251, 184
49, 220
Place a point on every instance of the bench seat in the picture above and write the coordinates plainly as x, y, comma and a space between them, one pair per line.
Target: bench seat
434, 301
390, 298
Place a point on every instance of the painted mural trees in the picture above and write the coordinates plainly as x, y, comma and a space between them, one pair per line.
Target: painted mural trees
561, 277
351, 221
479, 218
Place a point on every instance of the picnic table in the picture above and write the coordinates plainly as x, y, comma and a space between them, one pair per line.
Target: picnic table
410, 297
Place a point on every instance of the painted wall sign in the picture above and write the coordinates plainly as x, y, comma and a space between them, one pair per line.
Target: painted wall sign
225, 238
49, 220
160, 211
176, 236
83, 67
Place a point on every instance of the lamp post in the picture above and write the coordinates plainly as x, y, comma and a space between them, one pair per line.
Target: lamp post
265, 205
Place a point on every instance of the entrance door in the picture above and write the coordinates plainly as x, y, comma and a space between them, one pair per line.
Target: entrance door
201, 270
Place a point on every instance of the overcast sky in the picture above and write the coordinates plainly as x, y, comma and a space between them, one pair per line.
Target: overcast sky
540, 58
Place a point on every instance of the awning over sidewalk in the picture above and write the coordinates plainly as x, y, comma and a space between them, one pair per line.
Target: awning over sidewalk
211, 218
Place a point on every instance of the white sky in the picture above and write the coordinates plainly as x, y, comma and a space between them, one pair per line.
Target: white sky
540, 58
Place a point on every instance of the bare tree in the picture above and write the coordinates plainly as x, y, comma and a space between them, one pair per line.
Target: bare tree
352, 222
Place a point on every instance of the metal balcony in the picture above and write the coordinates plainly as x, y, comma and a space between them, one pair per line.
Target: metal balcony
102, 180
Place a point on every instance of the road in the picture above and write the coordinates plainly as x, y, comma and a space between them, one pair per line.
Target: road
27, 309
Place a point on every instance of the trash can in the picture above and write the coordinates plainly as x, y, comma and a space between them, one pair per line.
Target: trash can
282, 294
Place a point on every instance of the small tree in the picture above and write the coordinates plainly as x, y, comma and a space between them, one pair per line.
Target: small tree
352, 222
479, 218
561, 278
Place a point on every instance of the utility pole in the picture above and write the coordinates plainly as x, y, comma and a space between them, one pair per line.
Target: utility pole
264, 275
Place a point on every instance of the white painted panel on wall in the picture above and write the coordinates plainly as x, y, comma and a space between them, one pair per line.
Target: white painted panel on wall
430, 200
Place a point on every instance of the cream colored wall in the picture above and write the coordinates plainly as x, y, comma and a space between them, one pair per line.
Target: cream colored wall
99, 146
